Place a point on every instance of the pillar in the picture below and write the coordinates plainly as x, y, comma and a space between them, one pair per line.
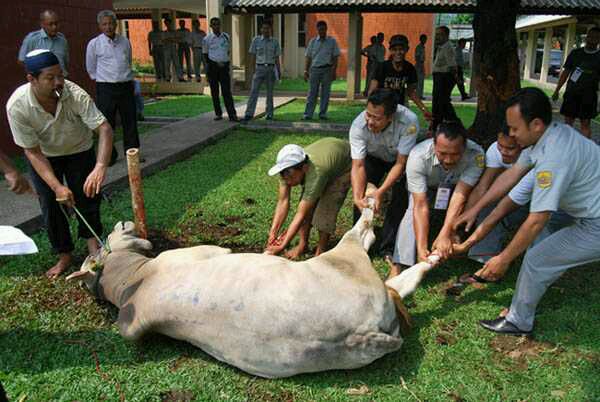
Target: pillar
546, 56
529, 55
354, 42
214, 8
241, 37
570, 40
292, 63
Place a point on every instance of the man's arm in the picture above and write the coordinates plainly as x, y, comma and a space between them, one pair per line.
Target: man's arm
281, 212
305, 209
443, 242
90, 60
393, 175
358, 178
95, 179
43, 168
488, 177
334, 68
421, 224
564, 75
149, 44
373, 85
501, 186
16, 182
412, 94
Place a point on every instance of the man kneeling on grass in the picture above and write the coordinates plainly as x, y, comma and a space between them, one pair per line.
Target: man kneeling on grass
323, 171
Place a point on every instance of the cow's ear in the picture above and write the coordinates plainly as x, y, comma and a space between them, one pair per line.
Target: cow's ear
78, 274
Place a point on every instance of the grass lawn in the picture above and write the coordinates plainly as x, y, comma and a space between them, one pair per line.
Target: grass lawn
184, 105
345, 112
58, 343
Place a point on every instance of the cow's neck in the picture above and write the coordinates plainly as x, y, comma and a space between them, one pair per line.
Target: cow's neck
120, 276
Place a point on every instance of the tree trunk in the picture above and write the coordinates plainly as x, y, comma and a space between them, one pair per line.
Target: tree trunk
495, 65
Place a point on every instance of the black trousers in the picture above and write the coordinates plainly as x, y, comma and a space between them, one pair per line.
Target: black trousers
119, 97
75, 170
220, 76
460, 82
442, 108
376, 170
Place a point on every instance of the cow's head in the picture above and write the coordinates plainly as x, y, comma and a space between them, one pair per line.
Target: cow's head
122, 238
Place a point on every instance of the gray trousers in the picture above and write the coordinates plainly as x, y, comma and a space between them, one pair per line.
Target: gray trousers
319, 77
171, 58
158, 58
420, 80
544, 263
263, 74
184, 56
197, 62
405, 249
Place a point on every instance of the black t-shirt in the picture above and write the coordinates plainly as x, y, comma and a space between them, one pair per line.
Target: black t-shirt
585, 70
388, 77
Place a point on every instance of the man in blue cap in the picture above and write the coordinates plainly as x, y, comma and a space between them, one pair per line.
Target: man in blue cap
53, 120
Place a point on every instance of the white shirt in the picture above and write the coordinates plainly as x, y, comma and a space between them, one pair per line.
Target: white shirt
444, 59
217, 47
493, 158
398, 138
567, 174
424, 170
109, 60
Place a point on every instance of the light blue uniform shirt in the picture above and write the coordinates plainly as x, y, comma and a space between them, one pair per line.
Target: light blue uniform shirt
566, 166
217, 47
40, 40
398, 138
322, 51
109, 60
266, 50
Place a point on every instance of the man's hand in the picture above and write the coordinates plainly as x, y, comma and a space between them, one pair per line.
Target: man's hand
306, 75
378, 198
296, 252
94, 181
461, 248
555, 96
361, 203
275, 240
443, 246
17, 183
494, 269
274, 249
422, 255
467, 218
64, 196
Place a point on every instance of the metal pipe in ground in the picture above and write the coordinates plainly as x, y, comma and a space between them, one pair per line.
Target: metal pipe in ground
137, 194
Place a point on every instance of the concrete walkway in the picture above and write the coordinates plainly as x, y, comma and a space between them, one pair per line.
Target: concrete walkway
164, 146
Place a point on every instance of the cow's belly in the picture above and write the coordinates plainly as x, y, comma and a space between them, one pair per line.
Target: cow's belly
273, 322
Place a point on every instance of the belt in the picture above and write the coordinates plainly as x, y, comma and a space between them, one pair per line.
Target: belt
325, 66
265, 64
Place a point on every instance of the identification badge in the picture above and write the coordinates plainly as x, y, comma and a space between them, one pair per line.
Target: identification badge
576, 74
442, 198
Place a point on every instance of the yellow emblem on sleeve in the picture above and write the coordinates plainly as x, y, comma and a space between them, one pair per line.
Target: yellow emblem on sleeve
544, 179
480, 161
412, 129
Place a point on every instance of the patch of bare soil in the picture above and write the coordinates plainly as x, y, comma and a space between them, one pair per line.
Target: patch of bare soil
445, 335
254, 392
178, 363
177, 395
521, 349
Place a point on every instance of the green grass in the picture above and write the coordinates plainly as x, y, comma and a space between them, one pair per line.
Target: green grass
183, 106
51, 332
346, 112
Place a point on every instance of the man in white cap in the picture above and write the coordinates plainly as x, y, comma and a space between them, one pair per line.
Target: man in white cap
54, 120
323, 171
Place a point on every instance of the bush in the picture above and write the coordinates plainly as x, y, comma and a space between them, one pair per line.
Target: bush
140, 68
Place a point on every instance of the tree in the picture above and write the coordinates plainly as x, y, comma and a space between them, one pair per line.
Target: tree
495, 70
462, 19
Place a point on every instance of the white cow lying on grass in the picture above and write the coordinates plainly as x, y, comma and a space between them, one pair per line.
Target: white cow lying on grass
264, 314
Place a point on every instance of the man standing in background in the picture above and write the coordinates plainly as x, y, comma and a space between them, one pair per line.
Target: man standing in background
184, 41
197, 37
420, 64
47, 38
460, 64
156, 48
170, 51
444, 78
369, 53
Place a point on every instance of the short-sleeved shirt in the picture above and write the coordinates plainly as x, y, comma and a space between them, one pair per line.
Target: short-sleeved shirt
371, 53
445, 59
585, 66
379, 52
217, 47
266, 50
40, 40
155, 38
493, 158
420, 55
68, 132
388, 77
567, 176
184, 36
521, 193
398, 138
197, 38
424, 171
329, 158
322, 51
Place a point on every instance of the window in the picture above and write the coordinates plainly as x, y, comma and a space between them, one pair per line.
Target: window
302, 30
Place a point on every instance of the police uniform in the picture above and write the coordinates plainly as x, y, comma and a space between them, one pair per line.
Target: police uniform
197, 39
183, 50
170, 55
216, 49
565, 166
267, 52
322, 53
443, 82
425, 174
40, 40
158, 57
379, 152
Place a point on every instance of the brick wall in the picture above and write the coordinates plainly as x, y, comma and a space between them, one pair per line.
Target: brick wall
410, 24
138, 36
78, 24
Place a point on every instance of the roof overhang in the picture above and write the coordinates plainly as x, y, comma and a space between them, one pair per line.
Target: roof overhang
144, 6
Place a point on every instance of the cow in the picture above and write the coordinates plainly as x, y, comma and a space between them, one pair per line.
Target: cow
266, 315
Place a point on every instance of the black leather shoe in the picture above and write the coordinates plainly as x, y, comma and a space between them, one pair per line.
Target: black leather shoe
217, 118
234, 119
501, 326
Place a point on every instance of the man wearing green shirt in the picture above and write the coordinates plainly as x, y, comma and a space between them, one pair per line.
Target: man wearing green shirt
323, 171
